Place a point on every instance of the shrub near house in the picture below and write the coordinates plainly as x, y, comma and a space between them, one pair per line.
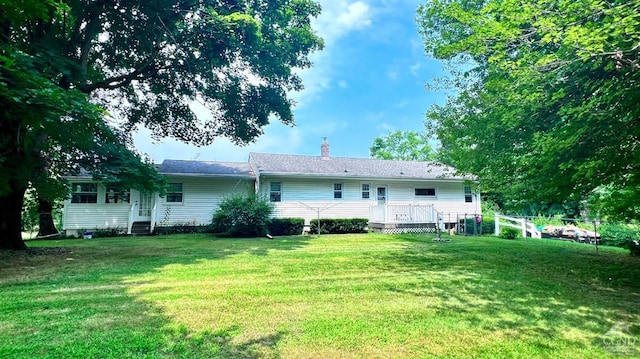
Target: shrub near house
243, 216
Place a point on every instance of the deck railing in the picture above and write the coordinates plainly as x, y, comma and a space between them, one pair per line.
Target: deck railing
403, 213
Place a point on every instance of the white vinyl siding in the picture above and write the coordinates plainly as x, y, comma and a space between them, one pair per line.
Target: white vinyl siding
88, 216
305, 196
201, 197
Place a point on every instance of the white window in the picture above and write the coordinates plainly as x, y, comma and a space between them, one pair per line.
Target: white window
116, 195
468, 195
84, 193
425, 192
337, 190
366, 191
275, 192
174, 193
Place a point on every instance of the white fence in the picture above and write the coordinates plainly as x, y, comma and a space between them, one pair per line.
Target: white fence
403, 213
518, 223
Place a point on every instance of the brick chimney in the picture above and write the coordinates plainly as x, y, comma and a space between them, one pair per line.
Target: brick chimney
324, 149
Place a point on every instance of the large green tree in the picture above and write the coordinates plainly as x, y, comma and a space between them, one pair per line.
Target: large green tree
545, 101
402, 145
77, 76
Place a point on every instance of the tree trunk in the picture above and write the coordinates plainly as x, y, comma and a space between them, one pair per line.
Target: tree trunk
46, 226
11, 220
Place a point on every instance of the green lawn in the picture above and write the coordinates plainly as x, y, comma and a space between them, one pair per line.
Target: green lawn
343, 296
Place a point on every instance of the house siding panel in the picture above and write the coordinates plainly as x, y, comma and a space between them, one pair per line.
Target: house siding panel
201, 198
90, 216
96, 216
304, 197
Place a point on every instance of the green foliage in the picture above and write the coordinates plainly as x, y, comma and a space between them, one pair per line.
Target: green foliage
243, 216
181, 228
339, 225
402, 145
634, 247
285, 226
361, 295
109, 232
30, 216
516, 121
488, 225
508, 233
618, 235
615, 202
66, 66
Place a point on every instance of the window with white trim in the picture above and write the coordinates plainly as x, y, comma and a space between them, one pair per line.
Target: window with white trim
425, 192
174, 193
366, 191
116, 195
468, 195
275, 192
84, 193
337, 190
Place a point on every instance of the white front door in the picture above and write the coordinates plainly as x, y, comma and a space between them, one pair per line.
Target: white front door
145, 205
382, 195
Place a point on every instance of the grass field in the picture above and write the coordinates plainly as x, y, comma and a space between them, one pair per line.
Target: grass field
342, 296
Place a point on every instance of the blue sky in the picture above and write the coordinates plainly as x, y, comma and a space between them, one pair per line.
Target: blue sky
370, 79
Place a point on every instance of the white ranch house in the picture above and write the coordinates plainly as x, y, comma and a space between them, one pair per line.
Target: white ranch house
396, 196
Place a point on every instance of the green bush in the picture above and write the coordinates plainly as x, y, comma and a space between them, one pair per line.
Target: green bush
484, 227
488, 225
509, 233
285, 226
182, 228
340, 225
242, 216
618, 235
109, 232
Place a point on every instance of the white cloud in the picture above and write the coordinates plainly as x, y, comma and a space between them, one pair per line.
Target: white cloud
340, 17
343, 84
337, 20
386, 127
414, 68
277, 138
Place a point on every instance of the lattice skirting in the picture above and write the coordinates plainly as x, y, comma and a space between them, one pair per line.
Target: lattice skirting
398, 228
405, 230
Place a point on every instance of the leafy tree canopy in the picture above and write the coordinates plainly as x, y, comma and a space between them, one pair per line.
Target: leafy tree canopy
545, 105
77, 76
402, 145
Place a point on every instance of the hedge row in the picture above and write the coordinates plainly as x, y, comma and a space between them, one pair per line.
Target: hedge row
285, 226
340, 225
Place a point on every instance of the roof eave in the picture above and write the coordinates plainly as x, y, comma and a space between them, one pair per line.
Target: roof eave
369, 178
239, 176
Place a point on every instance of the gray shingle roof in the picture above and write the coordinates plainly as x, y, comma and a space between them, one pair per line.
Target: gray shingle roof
267, 163
203, 168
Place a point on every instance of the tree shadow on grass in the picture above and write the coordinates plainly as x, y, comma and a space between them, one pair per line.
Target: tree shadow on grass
77, 302
522, 289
